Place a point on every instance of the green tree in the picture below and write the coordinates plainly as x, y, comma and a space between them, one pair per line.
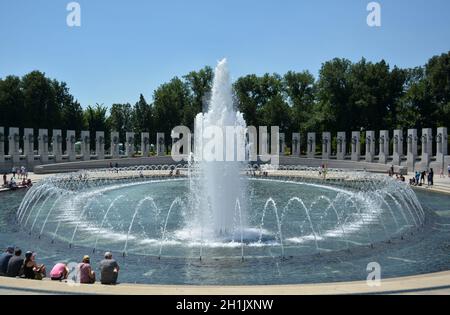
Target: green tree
334, 109
199, 84
437, 72
12, 109
169, 102
247, 94
96, 120
301, 91
41, 109
71, 116
121, 119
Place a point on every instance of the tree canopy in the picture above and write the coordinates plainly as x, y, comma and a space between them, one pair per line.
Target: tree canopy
346, 96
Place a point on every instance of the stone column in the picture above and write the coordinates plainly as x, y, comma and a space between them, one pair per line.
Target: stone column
100, 145
441, 144
356, 145
70, 145
370, 146
2, 144
43, 145
28, 144
264, 143
412, 149
129, 145
85, 146
57, 145
14, 144
311, 151
160, 144
282, 144
341, 143
326, 145
398, 147
145, 144
295, 151
193, 144
115, 149
427, 146
384, 146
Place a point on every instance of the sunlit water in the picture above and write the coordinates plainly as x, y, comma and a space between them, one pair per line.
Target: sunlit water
297, 230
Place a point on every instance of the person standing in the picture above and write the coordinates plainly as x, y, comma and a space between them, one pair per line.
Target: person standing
109, 270
431, 178
422, 177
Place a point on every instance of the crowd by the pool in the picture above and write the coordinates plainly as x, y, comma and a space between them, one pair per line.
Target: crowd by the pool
15, 265
19, 179
420, 178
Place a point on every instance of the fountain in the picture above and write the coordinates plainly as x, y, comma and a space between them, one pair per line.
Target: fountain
219, 182
260, 223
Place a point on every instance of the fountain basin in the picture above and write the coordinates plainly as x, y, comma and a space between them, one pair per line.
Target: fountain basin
297, 228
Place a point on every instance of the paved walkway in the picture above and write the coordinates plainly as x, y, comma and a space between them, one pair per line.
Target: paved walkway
437, 283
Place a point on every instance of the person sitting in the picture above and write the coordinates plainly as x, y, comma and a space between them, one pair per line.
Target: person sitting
12, 184
85, 272
109, 270
4, 260
31, 269
15, 264
59, 272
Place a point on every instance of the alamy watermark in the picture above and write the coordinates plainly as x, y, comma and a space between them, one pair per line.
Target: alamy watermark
374, 276
74, 17
227, 144
374, 17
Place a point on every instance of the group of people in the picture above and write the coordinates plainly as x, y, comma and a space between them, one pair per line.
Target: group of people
13, 265
422, 178
19, 179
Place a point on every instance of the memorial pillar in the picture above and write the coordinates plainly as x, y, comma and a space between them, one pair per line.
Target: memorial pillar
28, 144
326, 145
14, 144
100, 145
341, 142
356, 146
398, 147
370, 146
412, 149
70, 145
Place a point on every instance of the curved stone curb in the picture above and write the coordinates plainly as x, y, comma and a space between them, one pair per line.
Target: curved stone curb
428, 283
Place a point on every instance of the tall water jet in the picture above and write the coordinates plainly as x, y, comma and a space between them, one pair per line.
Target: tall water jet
220, 150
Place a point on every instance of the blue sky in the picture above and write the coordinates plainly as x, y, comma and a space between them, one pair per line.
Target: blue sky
124, 48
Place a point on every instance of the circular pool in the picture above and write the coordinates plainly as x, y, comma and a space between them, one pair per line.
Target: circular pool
289, 226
